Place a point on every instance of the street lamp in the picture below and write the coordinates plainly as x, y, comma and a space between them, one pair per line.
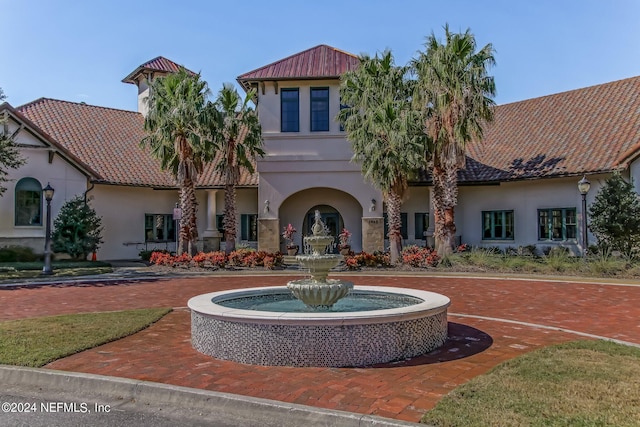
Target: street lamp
583, 186
48, 196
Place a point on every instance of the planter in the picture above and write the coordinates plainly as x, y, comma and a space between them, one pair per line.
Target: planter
344, 250
292, 250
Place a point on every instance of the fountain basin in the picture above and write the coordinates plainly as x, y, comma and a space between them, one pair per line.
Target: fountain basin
318, 338
323, 294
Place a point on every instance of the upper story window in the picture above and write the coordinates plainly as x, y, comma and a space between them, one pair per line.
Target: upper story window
319, 109
557, 224
289, 110
28, 207
497, 225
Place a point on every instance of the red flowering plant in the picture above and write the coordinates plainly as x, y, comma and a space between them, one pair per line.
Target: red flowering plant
344, 238
419, 257
288, 233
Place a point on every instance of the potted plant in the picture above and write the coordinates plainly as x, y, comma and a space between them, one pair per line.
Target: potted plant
345, 239
288, 233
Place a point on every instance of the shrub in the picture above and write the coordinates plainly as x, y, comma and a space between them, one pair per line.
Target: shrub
218, 259
145, 255
365, 259
17, 254
416, 256
77, 229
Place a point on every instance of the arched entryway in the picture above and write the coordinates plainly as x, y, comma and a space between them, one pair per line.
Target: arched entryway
331, 218
338, 210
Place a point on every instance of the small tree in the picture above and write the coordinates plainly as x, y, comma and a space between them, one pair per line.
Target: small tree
10, 157
77, 229
615, 217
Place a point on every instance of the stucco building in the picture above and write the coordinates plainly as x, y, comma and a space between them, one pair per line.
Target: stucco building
519, 187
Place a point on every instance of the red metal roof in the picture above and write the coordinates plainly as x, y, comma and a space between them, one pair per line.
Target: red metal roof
321, 61
159, 64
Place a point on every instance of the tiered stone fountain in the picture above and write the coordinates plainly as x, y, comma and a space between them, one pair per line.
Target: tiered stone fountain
318, 321
318, 291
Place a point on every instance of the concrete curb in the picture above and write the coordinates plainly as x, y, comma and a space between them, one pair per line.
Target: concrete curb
196, 404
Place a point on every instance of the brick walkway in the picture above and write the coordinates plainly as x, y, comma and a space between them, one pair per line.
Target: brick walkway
403, 390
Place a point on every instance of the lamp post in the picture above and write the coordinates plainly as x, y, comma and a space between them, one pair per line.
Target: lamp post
583, 186
48, 195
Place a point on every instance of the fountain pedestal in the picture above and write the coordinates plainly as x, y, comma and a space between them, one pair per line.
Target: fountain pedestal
318, 291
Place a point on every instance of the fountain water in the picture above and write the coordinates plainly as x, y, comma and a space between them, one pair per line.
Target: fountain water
318, 321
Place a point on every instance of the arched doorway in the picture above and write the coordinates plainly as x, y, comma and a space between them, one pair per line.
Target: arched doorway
331, 218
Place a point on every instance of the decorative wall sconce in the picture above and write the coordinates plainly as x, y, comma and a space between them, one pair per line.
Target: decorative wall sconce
373, 205
266, 206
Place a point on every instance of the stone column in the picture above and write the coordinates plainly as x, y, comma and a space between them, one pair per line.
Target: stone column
372, 234
211, 236
269, 234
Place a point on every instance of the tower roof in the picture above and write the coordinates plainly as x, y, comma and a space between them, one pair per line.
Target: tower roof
318, 62
159, 64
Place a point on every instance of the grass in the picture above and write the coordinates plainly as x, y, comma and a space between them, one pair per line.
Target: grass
582, 383
30, 270
36, 342
479, 260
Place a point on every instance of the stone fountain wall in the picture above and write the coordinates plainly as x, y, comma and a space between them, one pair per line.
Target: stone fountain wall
317, 345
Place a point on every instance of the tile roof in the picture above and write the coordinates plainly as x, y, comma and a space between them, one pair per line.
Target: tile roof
594, 129
158, 64
108, 140
321, 61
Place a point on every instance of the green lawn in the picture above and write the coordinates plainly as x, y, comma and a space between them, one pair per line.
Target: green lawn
583, 383
36, 342
30, 270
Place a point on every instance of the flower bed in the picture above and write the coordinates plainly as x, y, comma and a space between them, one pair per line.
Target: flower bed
218, 259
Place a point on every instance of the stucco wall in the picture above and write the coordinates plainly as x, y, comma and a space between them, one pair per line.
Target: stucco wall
123, 210
524, 198
66, 180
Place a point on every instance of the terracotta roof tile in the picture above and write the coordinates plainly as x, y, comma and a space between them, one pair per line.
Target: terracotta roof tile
594, 129
321, 61
108, 140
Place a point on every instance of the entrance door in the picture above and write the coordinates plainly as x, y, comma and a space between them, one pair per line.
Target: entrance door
330, 219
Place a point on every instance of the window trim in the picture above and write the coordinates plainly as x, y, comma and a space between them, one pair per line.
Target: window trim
169, 224
30, 183
326, 100
504, 213
245, 227
419, 234
295, 128
549, 228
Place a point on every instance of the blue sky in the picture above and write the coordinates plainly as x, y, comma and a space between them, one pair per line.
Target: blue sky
80, 50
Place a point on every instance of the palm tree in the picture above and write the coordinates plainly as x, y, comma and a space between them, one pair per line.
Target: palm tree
176, 126
238, 137
454, 92
385, 132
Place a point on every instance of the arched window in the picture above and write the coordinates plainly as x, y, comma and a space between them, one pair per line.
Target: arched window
29, 202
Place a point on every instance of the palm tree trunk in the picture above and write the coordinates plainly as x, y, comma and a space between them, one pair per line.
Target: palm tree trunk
229, 221
394, 219
445, 194
188, 222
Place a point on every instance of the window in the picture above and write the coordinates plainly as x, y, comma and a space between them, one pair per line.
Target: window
497, 225
557, 224
28, 209
422, 224
319, 109
289, 110
220, 225
249, 227
403, 227
159, 228
342, 107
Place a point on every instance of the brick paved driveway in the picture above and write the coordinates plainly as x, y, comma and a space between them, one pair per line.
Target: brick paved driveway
490, 320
